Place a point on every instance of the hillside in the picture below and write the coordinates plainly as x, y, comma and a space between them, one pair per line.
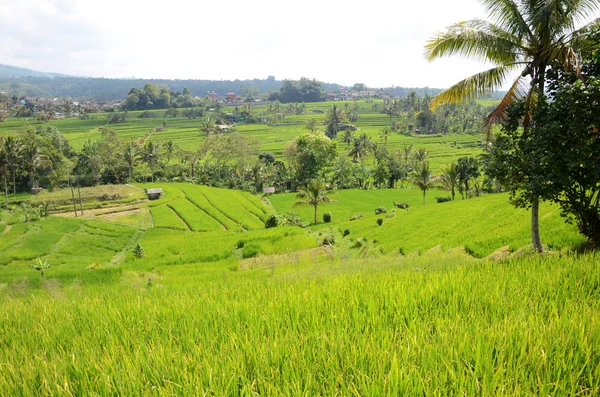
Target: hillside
7, 72
215, 304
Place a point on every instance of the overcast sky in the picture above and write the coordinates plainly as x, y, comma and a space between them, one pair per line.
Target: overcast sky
376, 42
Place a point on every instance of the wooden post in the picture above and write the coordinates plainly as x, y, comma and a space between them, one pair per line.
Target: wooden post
6, 191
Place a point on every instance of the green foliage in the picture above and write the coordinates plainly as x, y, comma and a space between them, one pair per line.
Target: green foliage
346, 232
138, 251
327, 217
379, 221
41, 266
380, 210
272, 221
441, 199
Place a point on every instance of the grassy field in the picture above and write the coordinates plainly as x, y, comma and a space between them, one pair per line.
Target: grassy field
219, 305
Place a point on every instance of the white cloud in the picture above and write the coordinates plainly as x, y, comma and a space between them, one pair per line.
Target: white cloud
379, 42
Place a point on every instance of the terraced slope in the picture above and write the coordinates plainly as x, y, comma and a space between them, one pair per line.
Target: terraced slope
203, 209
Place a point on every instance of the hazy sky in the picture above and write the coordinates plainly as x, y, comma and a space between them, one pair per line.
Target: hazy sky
376, 42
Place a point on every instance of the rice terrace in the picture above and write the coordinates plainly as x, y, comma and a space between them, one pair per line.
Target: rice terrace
302, 238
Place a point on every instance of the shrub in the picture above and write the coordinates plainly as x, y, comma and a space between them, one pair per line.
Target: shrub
138, 251
379, 221
292, 219
355, 217
345, 232
240, 243
402, 206
380, 210
272, 221
327, 217
250, 250
328, 240
443, 199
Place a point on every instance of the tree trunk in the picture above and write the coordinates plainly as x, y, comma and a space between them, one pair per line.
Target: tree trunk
6, 191
453, 193
14, 182
535, 226
315, 212
424, 194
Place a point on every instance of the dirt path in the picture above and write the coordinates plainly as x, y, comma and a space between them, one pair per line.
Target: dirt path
8, 227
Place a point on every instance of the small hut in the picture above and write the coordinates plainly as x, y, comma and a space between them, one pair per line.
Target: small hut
154, 194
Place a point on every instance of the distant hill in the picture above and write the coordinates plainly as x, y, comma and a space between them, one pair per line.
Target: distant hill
20, 81
7, 71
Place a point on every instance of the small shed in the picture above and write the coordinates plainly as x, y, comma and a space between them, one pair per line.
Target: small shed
269, 190
154, 194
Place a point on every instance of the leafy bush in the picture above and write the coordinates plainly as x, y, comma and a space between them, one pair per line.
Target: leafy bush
116, 118
443, 199
379, 221
272, 221
292, 219
138, 251
327, 217
380, 210
345, 232
402, 206
250, 250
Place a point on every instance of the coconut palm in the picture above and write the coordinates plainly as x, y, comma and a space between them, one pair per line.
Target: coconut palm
347, 137
522, 36
314, 193
33, 158
422, 178
362, 146
130, 154
420, 155
450, 178
4, 169
13, 148
384, 135
151, 156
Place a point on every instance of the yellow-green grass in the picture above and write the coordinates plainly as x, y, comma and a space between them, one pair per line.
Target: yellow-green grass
358, 327
480, 225
164, 216
69, 245
196, 219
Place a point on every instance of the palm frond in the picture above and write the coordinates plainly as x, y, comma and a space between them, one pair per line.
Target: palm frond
509, 16
475, 39
472, 87
518, 90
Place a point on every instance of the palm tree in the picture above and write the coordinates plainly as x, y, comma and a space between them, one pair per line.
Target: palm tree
33, 158
524, 36
314, 193
422, 178
450, 178
13, 148
151, 156
361, 147
347, 137
384, 135
421, 155
4, 169
130, 154
169, 147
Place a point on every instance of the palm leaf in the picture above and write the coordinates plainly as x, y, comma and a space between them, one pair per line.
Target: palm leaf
473, 86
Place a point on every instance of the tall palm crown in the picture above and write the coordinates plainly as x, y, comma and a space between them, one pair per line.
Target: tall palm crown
422, 178
525, 36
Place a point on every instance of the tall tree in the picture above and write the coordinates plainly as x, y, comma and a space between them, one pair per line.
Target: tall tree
422, 178
13, 148
314, 193
520, 36
450, 178
151, 156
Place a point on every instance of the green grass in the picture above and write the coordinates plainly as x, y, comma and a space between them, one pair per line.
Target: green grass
255, 311
480, 225
165, 217
526, 327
